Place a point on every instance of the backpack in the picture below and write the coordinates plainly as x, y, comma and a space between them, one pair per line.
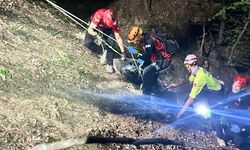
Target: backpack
130, 73
171, 46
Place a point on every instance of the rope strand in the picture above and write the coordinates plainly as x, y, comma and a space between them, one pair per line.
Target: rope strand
75, 18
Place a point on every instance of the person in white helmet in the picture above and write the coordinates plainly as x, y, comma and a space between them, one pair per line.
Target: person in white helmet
200, 79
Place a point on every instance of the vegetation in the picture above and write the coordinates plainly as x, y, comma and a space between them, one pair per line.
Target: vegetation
235, 18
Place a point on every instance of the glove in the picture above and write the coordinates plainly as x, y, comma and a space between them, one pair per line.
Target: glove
132, 50
140, 61
139, 55
123, 56
98, 39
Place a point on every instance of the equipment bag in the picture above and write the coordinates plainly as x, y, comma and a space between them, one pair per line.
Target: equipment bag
171, 46
130, 72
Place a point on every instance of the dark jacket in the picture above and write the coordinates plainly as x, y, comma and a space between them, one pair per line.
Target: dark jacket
154, 51
242, 99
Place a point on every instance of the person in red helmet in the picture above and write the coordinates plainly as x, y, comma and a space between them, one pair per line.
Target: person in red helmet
240, 87
104, 20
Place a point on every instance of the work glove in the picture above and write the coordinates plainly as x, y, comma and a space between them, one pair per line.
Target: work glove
139, 55
98, 39
140, 62
123, 56
132, 50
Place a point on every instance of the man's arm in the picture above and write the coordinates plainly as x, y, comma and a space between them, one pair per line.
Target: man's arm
91, 28
179, 83
187, 104
119, 41
196, 89
148, 50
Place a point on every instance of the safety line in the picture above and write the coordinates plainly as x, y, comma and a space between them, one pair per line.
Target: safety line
68, 14
73, 17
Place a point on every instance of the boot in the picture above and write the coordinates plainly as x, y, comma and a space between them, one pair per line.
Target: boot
103, 59
109, 68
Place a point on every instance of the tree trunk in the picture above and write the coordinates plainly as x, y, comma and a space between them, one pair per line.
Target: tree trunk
221, 32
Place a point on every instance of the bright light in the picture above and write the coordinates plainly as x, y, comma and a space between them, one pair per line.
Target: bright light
203, 110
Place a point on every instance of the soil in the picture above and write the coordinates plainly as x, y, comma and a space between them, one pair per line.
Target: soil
59, 91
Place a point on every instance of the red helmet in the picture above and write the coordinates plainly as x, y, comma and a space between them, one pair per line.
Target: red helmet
109, 18
242, 80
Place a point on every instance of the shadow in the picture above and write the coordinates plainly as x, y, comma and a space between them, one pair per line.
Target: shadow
140, 106
8, 13
161, 109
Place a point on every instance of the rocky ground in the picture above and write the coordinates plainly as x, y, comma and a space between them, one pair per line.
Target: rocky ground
51, 94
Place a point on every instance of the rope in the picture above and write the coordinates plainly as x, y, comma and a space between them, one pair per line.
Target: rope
71, 16
75, 18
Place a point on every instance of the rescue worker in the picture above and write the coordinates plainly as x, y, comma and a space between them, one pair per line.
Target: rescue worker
104, 20
155, 58
239, 87
237, 132
202, 81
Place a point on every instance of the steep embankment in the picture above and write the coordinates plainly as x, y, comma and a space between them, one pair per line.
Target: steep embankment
45, 100
44, 54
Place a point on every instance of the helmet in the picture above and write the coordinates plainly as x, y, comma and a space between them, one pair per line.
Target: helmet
134, 34
190, 59
109, 18
242, 80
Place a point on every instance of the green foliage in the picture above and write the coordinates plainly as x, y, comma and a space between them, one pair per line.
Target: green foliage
235, 15
243, 5
5, 74
221, 14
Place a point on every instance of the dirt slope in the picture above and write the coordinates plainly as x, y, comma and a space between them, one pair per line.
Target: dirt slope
46, 99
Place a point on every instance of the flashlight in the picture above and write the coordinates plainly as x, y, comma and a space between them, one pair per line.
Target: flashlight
203, 110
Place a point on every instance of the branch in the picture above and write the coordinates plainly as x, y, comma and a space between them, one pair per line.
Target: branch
203, 39
118, 140
148, 6
238, 39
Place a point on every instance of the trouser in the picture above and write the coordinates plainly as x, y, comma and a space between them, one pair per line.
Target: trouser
150, 78
90, 44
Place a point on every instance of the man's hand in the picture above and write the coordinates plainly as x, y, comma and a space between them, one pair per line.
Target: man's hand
123, 56
99, 37
172, 85
178, 116
222, 82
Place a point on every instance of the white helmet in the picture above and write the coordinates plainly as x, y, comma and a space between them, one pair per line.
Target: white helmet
190, 59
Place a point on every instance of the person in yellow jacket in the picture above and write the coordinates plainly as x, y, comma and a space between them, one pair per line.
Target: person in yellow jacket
200, 78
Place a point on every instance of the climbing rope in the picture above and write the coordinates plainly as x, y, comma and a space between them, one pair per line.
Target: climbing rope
75, 18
